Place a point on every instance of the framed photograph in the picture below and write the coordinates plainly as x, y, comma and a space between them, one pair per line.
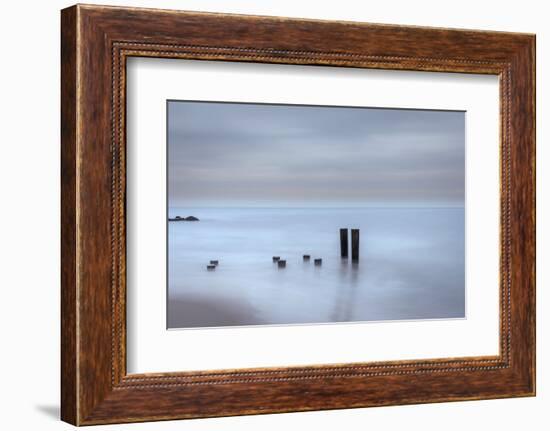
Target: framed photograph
262, 214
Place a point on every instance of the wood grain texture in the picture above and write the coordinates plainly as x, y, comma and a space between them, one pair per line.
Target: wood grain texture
96, 41
68, 218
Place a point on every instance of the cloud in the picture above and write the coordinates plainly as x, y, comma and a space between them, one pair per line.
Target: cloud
301, 155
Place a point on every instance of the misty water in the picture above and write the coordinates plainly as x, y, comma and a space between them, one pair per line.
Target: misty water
411, 266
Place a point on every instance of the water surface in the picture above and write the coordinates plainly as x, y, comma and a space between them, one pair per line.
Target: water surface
411, 266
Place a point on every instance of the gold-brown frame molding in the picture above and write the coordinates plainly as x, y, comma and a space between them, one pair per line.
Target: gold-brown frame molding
96, 41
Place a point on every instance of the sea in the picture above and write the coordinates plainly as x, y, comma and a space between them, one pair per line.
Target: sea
411, 266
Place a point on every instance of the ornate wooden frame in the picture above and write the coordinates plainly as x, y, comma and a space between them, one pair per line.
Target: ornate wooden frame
96, 41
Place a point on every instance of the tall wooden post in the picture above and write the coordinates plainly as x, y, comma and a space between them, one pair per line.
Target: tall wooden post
355, 245
344, 243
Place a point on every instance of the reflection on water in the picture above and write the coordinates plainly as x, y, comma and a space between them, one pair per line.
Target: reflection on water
411, 266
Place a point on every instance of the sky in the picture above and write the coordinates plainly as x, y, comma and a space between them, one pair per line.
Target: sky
230, 154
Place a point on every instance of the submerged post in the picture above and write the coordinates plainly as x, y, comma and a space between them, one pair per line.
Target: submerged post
355, 245
344, 243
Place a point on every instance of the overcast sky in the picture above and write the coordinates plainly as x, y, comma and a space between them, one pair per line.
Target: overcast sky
223, 154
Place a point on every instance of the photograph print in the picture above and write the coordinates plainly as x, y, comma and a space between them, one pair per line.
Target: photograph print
298, 214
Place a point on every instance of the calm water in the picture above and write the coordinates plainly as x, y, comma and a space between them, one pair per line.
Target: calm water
411, 266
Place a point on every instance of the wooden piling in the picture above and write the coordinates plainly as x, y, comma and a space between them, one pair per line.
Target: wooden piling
281, 263
344, 243
355, 245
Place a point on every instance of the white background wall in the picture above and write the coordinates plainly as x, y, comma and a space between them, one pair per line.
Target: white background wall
29, 225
